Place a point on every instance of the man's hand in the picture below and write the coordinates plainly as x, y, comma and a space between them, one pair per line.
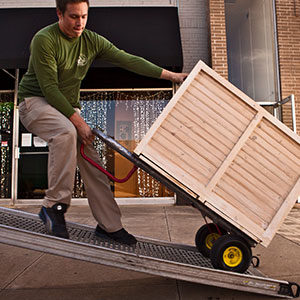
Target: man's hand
83, 129
174, 77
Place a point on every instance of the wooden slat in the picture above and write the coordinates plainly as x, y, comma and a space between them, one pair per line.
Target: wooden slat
262, 193
193, 144
278, 158
283, 170
197, 136
190, 156
282, 127
232, 101
281, 214
279, 151
234, 120
202, 128
246, 99
215, 128
233, 89
216, 100
260, 173
289, 144
179, 168
226, 211
234, 151
168, 176
241, 204
265, 160
240, 191
190, 101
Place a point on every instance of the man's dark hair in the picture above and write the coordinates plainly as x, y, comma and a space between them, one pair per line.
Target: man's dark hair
62, 4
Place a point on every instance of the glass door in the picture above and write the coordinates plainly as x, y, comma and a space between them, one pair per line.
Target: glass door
251, 48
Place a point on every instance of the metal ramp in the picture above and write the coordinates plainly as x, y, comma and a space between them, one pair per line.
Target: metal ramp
154, 257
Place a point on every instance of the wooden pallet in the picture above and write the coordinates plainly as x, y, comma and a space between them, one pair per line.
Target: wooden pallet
228, 152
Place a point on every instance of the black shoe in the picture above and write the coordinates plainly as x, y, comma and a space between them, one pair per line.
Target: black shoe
120, 236
54, 220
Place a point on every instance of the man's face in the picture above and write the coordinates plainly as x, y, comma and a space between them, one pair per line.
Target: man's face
73, 21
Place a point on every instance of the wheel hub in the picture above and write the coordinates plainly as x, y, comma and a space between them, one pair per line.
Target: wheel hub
210, 239
232, 256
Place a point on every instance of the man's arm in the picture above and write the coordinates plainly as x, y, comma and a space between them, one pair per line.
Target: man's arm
110, 53
172, 76
83, 129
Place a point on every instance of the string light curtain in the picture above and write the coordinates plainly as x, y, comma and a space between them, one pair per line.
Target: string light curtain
98, 109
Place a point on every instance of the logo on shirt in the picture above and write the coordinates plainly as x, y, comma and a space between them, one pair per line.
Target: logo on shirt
82, 60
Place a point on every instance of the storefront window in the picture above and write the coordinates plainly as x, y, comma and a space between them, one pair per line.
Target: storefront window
251, 49
125, 116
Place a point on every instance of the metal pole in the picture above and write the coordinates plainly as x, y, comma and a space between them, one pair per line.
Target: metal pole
277, 111
15, 144
293, 112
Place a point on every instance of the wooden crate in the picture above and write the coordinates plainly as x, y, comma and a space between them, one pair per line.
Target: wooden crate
228, 152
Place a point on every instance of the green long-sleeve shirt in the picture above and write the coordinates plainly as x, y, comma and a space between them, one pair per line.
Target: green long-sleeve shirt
58, 64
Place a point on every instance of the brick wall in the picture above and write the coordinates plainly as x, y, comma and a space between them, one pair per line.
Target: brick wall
218, 37
193, 17
288, 28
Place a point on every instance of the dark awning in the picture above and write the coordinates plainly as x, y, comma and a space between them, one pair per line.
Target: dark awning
150, 32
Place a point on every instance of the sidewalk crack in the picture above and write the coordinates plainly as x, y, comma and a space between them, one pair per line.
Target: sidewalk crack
21, 272
167, 223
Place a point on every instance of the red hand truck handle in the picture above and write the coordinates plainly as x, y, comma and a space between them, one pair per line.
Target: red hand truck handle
110, 176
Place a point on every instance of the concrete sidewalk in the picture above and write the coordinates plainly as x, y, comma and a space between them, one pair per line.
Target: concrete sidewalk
26, 274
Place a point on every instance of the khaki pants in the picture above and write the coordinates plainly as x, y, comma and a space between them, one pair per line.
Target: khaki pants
45, 121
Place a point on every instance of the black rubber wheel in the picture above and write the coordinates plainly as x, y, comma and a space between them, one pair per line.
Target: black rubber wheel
231, 253
206, 236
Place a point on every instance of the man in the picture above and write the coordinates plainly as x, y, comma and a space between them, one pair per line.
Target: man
61, 54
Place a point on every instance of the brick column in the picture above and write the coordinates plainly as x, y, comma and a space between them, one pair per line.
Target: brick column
288, 29
218, 37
